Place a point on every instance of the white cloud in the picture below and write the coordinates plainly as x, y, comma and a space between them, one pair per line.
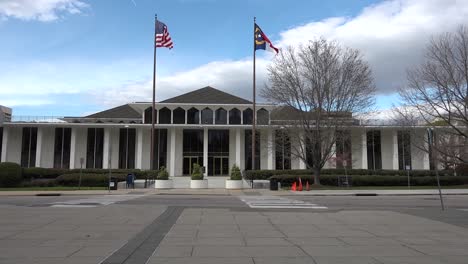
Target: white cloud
234, 77
42, 10
392, 36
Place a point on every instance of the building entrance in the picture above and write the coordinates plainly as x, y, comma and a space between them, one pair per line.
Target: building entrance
192, 150
218, 166
218, 152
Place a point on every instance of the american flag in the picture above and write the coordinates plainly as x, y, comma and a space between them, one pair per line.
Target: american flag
163, 39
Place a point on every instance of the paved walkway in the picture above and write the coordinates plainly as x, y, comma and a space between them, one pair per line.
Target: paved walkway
205, 236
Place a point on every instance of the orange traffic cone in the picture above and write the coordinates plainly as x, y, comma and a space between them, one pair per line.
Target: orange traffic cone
307, 186
300, 185
293, 187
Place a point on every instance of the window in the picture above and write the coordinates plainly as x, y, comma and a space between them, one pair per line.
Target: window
374, 153
404, 150
248, 150
62, 148
263, 117
221, 116
247, 116
164, 116
179, 116
207, 116
1, 140
313, 149
28, 147
234, 116
282, 150
95, 148
160, 148
127, 148
148, 115
343, 149
193, 116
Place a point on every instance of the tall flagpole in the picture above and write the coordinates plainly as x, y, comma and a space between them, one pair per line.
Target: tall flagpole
253, 116
153, 116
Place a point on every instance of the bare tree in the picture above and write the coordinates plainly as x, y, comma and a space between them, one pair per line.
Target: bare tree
318, 86
437, 96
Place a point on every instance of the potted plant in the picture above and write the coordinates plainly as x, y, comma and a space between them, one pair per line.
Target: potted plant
162, 180
197, 181
235, 181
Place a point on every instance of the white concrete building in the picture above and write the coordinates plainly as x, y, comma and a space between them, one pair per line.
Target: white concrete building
206, 126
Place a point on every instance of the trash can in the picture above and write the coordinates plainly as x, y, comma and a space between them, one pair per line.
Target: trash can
113, 183
273, 184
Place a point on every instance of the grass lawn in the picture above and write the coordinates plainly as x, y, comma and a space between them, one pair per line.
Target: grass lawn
324, 187
57, 188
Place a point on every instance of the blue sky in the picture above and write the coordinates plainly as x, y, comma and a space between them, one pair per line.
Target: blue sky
75, 57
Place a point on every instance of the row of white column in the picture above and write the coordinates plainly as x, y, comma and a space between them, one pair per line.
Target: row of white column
12, 138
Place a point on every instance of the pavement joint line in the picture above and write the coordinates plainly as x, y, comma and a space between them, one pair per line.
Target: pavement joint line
134, 250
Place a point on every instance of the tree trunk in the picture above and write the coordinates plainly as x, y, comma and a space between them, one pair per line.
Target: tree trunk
316, 176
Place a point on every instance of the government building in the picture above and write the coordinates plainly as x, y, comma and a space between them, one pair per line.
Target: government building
206, 126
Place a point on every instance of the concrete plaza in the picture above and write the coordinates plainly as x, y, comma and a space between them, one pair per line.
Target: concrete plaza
155, 228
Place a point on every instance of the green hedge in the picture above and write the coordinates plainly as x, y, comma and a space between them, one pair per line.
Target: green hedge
42, 173
87, 179
374, 180
51, 173
10, 174
266, 174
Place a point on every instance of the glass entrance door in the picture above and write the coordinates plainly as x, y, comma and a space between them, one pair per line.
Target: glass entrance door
188, 164
218, 166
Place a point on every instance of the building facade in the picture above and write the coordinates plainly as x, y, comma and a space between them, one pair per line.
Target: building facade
206, 126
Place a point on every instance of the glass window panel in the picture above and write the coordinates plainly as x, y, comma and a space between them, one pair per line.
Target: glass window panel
160, 148
343, 149
66, 148
58, 148
193, 116
263, 117
25, 147
248, 150
90, 148
179, 116
148, 116
282, 150
164, 116
221, 116
207, 116
234, 116
404, 150
247, 116
374, 153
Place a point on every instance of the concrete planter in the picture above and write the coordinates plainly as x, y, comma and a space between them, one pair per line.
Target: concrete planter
198, 184
234, 184
164, 184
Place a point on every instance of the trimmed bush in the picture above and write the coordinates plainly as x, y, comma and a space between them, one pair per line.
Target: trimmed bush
43, 173
52, 173
10, 174
462, 170
374, 180
163, 175
87, 179
266, 174
235, 173
196, 172
40, 183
